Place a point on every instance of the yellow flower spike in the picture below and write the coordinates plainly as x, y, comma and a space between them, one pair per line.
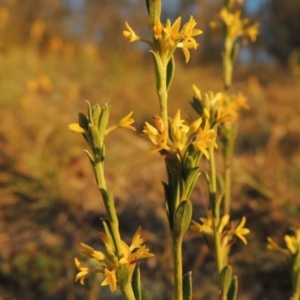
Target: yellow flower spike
75, 127
240, 231
110, 279
130, 34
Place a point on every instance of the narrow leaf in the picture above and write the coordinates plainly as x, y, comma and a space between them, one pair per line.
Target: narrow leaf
182, 218
136, 283
187, 286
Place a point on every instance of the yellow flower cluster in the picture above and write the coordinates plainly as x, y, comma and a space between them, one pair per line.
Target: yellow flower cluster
226, 229
292, 244
220, 108
109, 262
181, 135
236, 26
167, 37
123, 123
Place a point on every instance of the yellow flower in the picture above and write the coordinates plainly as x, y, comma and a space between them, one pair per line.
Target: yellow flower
225, 228
110, 279
227, 107
205, 139
123, 123
84, 271
171, 32
160, 140
240, 231
181, 136
237, 27
130, 34
271, 245
109, 263
168, 37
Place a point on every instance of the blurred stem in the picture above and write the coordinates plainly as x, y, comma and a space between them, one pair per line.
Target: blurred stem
227, 62
215, 209
109, 207
228, 153
177, 258
162, 93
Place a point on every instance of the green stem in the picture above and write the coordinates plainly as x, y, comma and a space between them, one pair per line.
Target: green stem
163, 94
215, 209
177, 258
128, 292
109, 207
228, 153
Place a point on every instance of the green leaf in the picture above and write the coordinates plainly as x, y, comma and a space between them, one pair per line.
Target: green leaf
226, 278
234, 53
103, 120
187, 286
158, 66
182, 218
191, 181
90, 114
170, 71
136, 283
90, 157
154, 9
233, 290
197, 106
83, 121
96, 111
95, 140
123, 275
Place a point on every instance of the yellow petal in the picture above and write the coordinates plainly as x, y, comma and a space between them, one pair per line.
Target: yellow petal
75, 127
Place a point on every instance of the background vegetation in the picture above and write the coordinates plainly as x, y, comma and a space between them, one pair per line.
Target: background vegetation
56, 54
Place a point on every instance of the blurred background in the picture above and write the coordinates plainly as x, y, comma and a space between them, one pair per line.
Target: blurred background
54, 55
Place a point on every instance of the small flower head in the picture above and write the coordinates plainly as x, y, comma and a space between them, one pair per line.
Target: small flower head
108, 261
181, 135
292, 242
226, 229
167, 37
238, 27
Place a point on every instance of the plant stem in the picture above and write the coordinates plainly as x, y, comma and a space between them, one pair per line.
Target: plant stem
177, 258
215, 209
128, 292
109, 207
163, 93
